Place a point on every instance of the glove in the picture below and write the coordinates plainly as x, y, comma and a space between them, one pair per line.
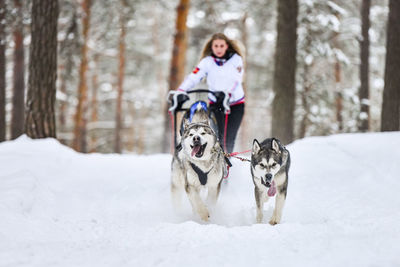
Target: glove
176, 98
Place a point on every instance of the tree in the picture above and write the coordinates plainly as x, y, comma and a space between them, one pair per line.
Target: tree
17, 116
177, 70
79, 142
40, 105
364, 67
2, 71
390, 116
94, 105
285, 70
69, 48
121, 74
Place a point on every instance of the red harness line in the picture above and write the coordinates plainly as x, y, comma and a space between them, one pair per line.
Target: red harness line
233, 154
225, 130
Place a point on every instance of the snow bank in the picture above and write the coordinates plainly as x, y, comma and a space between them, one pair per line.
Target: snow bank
62, 208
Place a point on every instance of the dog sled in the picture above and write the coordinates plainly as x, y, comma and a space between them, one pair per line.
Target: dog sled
183, 106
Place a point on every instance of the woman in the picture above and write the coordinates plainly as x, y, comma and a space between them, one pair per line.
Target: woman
221, 62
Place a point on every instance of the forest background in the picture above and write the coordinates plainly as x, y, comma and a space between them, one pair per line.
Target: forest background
116, 60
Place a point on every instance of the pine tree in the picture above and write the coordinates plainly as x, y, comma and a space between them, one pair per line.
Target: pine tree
80, 131
390, 116
177, 70
285, 69
2, 71
121, 76
40, 115
364, 67
18, 108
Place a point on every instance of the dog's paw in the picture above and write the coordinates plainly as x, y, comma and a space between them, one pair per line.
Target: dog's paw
274, 221
271, 222
204, 214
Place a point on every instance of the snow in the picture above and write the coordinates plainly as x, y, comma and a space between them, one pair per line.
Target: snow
62, 208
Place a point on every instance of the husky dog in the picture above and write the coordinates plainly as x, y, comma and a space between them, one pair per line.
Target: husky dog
198, 163
270, 163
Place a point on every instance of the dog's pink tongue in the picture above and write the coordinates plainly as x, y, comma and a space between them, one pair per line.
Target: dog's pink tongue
272, 189
195, 150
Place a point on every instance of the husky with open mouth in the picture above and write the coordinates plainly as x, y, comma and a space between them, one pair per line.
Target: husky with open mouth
270, 162
198, 163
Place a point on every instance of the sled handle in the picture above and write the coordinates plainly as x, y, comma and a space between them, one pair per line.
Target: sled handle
174, 95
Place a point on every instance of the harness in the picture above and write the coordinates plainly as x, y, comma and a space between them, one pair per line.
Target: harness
202, 175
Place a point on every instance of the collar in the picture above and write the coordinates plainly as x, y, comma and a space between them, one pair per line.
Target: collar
221, 60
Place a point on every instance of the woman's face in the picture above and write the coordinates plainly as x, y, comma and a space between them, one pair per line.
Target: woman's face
219, 47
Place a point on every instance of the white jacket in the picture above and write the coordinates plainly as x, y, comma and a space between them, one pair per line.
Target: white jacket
226, 78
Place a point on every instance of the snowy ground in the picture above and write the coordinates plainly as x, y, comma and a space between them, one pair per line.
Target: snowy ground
61, 208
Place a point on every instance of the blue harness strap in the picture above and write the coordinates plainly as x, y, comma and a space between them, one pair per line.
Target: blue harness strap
197, 106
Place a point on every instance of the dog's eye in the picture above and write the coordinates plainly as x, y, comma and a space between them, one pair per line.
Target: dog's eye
191, 135
262, 165
273, 165
203, 133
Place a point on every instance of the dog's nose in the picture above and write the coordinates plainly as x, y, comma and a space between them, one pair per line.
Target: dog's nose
268, 176
196, 138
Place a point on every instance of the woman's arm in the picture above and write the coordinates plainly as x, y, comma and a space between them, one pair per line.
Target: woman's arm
196, 76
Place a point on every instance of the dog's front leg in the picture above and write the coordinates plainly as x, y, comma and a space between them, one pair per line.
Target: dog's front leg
197, 204
177, 185
279, 203
213, 193
176, 196
260, 204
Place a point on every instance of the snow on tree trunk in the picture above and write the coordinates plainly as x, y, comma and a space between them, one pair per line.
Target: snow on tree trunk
390, 116
285, 69
18, 100
80, 131
41, 97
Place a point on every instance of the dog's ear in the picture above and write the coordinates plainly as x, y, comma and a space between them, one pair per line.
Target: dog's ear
275, 146
285, 156
256, 147
185, 123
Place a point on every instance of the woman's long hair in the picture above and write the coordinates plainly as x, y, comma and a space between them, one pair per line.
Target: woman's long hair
232, 45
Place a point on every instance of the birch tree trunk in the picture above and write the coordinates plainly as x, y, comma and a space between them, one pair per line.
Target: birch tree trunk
80, 131
40, 116
285, 72
390, 117
18, 99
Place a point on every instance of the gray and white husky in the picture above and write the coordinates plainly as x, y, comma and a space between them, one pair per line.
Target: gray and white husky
270, 162
198, 163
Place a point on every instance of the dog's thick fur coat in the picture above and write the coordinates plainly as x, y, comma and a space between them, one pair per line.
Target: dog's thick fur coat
270, 163
198, 163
